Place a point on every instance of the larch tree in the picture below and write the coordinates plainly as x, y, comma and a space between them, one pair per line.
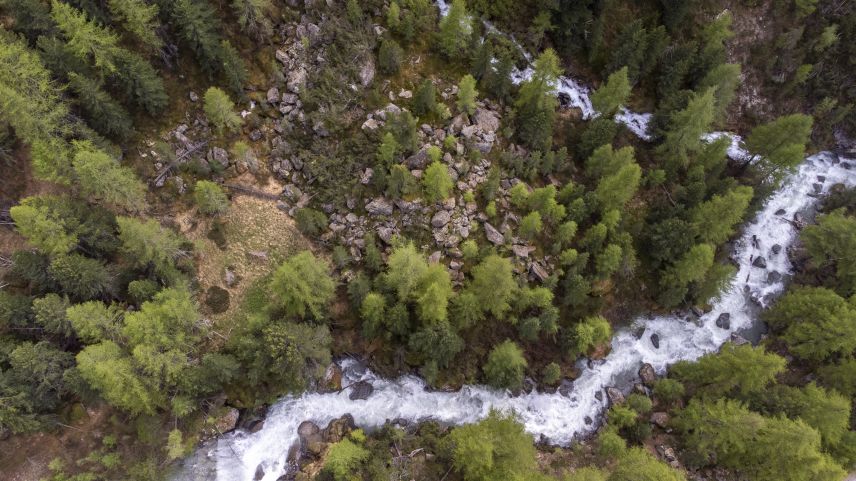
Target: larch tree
780, 145
101, 177
467, 95
535, 107
220, 110
683, 135
139, 18
455, 30
613, 94
302, 288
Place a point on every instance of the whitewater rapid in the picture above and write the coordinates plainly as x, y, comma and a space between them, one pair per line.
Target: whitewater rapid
555, 416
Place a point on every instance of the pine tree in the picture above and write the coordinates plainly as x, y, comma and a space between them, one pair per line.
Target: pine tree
101, 177
103, 113
613, 94
455, 30
467, 95
614, 191
493, 449
210, 197
505, 366
86, 39
536, 103
232, 67
140, 19
780, 145
253, 17
220, 110
302, 287
80, 277
816, 323
725, 78
32, 105
147, 242
686, 127
425, 98
436, 182
141, 83
831, 242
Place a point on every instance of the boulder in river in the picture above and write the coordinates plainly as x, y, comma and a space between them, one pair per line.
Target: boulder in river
655, 340
311, 440
614, 396
333, 377
338, 429
776, 248
647, 374
724, 321
360, 390
760, 262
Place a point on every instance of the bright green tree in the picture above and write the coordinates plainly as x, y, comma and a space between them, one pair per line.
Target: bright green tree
436, 182
406, 267
531, 225
816, 323
832, 241
613, 94
493, 284
683, 135
44, 229
110, 371
715, 219
220, 110
725, 78
493, 449
302, 287
780, 144
614, 191
146, 242
101, 177
344, 458
210, 197
589, 334
467, 94
455, 30
733, 370
139, 18
86, 39
606, 161
637, 464
95, 321
505, 366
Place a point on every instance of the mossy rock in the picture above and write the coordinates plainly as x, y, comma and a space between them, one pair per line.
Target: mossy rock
217, 299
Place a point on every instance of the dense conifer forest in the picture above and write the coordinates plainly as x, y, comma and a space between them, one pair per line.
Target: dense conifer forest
206, 206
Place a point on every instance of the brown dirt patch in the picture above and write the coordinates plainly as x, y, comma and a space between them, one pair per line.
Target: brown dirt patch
251, 226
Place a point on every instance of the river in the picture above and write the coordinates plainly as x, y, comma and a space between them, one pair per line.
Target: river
555, 416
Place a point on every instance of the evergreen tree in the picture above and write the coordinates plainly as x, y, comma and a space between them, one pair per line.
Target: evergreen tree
254, 17
210, 197
494, 448
816, 323
141, 83
505, 366
400, 182
467, 95
610, 96
302, 287
101, 177
110, 371
220, 110
139, 18
80, 277
103, 113
86, 39
455, 30
725, 78
536, 103
493, 285
425, 98
686, 127
437, 182
714, 220
780, 144
589, 334
197, 25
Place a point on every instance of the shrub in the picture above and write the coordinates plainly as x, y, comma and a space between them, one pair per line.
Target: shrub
505, 366
311, 222
210, 198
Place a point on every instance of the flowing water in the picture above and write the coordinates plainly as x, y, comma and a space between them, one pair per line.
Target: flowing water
556, 416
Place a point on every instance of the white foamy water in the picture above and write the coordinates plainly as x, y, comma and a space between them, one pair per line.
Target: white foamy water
561, 415
557, 416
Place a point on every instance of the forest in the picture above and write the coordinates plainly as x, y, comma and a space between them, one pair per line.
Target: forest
205, 206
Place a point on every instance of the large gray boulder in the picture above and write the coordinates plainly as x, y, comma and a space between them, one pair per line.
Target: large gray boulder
379, 206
